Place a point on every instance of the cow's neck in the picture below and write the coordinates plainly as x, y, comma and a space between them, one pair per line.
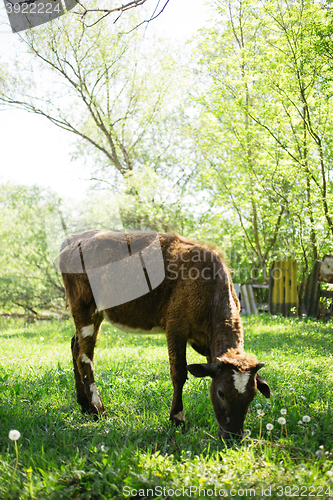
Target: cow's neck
228, 336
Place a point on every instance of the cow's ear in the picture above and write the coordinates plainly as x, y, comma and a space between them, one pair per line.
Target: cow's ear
203, 369
263, 387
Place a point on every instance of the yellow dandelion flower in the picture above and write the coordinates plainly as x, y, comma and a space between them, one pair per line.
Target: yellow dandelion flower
202, 480
29, 470
158, 474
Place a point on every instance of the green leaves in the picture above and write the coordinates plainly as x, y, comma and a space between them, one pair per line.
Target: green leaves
264, 129
28, 282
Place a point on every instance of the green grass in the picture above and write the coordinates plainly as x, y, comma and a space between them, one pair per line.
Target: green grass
137, 453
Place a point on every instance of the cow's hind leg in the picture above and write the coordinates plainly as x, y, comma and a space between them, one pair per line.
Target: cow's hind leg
81, 396
83, 345
176, 339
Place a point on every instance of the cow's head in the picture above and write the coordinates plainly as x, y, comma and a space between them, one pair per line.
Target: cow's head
235, 380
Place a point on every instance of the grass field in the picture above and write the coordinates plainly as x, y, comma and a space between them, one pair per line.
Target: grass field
137, 453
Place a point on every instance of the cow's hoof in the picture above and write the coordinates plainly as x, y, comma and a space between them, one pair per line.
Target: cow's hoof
85, 410
98, 414
179, 418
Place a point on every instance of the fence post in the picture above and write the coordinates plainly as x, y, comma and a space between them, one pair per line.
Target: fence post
283, 287
310, 292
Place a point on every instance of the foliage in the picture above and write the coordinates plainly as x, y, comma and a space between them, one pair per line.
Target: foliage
264, 129
232, 147
28, 282
64, 454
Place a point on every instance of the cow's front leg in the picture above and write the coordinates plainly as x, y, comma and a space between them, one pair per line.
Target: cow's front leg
177, 358
83, 354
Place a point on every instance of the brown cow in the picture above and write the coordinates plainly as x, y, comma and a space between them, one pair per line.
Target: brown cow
161, 283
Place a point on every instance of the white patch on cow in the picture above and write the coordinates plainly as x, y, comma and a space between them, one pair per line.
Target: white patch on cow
180, 416
129, 329
87, 331
85, 359
240, 380
95, 398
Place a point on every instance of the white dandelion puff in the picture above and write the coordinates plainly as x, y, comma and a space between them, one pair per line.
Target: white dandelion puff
14, 435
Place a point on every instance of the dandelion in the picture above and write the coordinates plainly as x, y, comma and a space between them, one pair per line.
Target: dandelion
283, 411
319, 453
269, 427
41, 338
15, 435
261, 413
306, 419
202, 480
282, 422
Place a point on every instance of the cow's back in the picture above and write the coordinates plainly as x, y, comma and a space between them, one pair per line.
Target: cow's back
195, 281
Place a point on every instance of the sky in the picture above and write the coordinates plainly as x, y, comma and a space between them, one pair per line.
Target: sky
33, 151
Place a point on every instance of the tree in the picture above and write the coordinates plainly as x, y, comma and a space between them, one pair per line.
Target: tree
87, 16
106, 88
120, 9
298, 82
240, 164
264, 127
28, 281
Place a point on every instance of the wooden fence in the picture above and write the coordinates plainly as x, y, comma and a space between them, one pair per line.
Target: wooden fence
283, 296
286, 297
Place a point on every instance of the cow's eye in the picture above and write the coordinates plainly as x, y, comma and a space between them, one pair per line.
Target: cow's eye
220, 394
